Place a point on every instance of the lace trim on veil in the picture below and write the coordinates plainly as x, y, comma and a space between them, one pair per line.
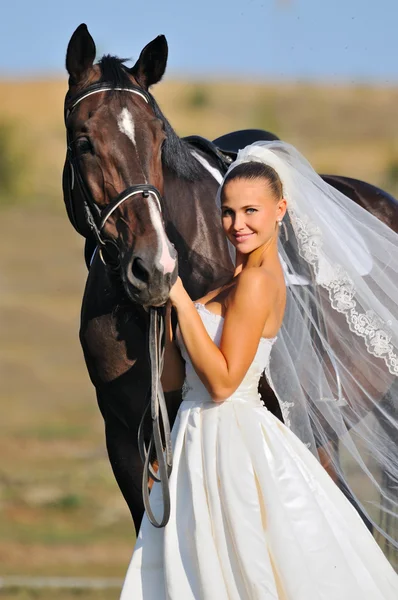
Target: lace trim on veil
341, 289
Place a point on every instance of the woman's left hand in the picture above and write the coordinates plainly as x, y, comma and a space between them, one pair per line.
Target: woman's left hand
177, 292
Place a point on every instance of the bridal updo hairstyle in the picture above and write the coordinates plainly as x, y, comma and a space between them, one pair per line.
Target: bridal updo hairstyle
255, 170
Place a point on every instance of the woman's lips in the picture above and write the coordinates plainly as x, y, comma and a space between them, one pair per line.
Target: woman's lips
242, 237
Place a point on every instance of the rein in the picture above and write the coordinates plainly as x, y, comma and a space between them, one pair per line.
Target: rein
159, 447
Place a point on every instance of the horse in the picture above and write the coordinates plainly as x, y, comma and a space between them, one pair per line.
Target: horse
146, 200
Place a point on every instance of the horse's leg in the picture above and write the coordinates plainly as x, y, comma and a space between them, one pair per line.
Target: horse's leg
121, 444
114, 347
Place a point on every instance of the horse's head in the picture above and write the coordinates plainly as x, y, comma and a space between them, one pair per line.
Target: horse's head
113, 179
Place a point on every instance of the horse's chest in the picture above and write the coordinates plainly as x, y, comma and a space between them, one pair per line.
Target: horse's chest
113, 338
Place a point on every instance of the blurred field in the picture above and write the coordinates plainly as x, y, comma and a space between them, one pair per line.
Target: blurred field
345, 130
60, 510
61, 513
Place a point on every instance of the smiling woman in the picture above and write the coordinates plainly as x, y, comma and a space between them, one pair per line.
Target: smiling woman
253, 223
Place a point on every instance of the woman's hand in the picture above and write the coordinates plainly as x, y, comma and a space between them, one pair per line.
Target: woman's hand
173, 367
178, 293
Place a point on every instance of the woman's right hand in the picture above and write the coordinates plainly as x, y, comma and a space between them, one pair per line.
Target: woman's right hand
177, 292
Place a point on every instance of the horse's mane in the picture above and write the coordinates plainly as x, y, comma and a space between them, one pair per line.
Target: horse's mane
176, 153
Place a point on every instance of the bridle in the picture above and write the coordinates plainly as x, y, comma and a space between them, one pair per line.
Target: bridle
94, 216
159, 446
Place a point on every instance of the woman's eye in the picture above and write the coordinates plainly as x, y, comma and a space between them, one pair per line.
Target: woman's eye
250, 211
83, 145
227, 212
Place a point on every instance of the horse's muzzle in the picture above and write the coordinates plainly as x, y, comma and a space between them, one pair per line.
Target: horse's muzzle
146, 282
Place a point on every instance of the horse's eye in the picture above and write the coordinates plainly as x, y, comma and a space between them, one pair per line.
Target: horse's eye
83, 145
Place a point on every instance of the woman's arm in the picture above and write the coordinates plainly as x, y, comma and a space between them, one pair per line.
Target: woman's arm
222, 369
173, 373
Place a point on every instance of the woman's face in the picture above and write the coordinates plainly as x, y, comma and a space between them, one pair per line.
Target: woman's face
250, 213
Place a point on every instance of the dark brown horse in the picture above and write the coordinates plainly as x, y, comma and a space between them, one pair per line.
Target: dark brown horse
142, 195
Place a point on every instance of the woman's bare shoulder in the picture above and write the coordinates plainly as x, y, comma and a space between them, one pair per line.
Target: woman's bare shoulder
255, 282
256, 304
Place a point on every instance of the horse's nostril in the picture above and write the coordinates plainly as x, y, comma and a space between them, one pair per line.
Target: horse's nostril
139, 270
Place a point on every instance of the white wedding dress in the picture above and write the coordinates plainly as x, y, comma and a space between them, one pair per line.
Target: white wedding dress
253, 515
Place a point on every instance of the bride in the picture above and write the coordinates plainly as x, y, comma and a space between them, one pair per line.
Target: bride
254, 515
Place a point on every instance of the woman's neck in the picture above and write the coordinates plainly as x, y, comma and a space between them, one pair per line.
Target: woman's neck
265, 254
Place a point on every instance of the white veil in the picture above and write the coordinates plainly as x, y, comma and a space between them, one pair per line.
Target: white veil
334, 366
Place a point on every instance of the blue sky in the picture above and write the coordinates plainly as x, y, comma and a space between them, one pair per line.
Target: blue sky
339, 40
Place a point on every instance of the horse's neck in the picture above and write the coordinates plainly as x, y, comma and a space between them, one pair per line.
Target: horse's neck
193, 225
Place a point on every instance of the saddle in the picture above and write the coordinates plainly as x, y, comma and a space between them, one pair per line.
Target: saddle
226, 147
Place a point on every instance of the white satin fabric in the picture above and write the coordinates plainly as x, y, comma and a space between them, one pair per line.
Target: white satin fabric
254, 515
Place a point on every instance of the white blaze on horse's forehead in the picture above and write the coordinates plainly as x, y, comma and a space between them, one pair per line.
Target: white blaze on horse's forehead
216, 174
125, 123
165, 259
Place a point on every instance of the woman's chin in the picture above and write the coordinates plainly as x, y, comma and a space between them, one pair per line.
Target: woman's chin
244, 247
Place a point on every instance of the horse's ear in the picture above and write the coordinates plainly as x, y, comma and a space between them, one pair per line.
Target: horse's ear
151, 65
80, 54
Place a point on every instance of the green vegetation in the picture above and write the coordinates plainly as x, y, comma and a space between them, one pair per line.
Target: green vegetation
392, 176
13, 162
198, 98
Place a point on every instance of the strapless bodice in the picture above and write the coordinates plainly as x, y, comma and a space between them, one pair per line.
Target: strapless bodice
195, 391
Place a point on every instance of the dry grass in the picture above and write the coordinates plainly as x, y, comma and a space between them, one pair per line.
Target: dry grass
61, 511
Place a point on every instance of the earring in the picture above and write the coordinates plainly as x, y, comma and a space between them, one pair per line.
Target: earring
280, 223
